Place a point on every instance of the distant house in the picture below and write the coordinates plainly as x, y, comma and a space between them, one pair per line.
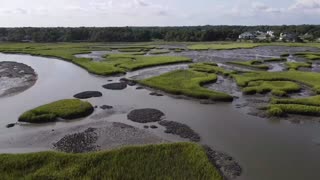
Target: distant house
247, 36
270, 34
289, 37
261, 35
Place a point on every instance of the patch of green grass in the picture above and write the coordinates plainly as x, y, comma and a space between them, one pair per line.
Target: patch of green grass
251, 64
163, 51
133, 62
297, 65
130, 50
277, 88
65, 109
310, 79
309, 101
309, 55
114, 63
164, 161
187, 82
301, 106
293, 109
237, 45
223, 46
210, 68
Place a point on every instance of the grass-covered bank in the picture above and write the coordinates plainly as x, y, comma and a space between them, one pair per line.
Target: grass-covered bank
310, 79
65, 109
241, 45
255, 64
277, 88
114, 64
165, 161
301, 106
187, 82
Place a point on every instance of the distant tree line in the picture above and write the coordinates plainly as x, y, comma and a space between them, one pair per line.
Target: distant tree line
135, 34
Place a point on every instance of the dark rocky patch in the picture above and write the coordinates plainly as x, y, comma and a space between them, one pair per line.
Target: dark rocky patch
153, 127
180, 129
156, 94
115, 86
128, 81
139, 88
110, 80
78, 142
104, 107
88, 94
228, 167
10, 125
145, 115
146, 127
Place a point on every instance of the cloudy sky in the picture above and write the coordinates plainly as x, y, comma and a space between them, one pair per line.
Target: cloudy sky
51, 13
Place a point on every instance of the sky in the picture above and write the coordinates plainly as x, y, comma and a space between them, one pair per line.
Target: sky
103, 13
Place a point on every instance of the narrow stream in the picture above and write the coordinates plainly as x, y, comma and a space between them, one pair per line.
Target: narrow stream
265, 149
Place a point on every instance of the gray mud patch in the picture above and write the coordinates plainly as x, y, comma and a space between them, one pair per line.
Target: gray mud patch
180, 129
88, 94
15, 77
145, 115
227, 166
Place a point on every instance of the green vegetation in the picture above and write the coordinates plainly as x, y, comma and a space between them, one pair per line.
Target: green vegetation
277, 88
114, 63
309, 101
236, 45
251, 64
310, 79
209, 68
223, 46
163, 51
165, 161
302, 106
65, 109
309, 55
297, 65
126, 62
187, 82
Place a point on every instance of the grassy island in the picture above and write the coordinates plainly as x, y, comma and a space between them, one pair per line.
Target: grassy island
65, 109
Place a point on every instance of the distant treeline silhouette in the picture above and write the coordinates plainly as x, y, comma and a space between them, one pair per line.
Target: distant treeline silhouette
136, 34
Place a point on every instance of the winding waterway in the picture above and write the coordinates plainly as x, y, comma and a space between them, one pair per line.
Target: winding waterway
265, 149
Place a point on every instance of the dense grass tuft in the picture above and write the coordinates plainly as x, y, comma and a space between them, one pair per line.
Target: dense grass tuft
302, 106
297, 65
311, 79
278, 88
66, 109
187, 82
209, 68
251, 64
165, 161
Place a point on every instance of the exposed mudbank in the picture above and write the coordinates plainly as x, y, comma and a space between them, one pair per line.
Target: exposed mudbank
15, 77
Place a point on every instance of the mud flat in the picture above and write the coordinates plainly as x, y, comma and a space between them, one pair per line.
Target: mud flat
15, 77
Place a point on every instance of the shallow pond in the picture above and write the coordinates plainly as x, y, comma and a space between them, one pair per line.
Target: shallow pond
265, 149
